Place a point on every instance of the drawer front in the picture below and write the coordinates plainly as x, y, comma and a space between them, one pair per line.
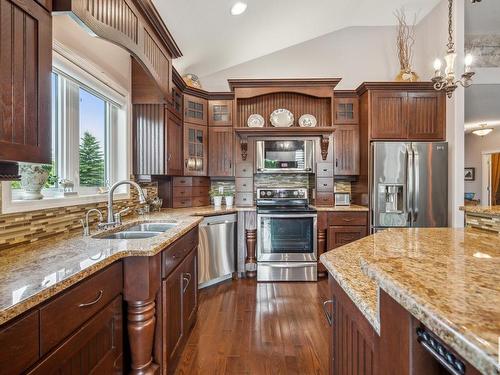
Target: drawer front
324, 170
324, 199
244, 185
201, 181
182, 191
174, 254
201, 201
324, 184
244, 170
201, 191
244, 199
183, 181
182, 202
20, 344
69, 311
343, 235
347, 218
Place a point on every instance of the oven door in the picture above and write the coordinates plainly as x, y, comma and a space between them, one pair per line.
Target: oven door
286, 237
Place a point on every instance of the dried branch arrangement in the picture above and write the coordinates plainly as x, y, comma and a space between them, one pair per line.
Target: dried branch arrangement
405, 41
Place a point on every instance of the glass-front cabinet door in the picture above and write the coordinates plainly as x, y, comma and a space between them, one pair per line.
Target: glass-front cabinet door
286, 237
195, 110
195, 150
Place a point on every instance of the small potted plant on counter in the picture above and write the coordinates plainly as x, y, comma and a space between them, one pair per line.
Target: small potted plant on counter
228, 197
216, 195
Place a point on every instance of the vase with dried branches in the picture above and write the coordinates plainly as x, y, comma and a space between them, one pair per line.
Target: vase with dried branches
405, 42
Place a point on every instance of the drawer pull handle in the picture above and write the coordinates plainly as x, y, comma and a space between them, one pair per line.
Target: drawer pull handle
186, 277
328, 316
93, 302
347, 219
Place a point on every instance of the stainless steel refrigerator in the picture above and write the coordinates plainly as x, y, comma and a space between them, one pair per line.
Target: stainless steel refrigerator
409, 184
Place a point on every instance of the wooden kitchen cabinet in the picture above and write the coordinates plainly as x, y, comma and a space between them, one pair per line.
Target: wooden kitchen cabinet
345, 227
195, 150
220, 152
195, 110
25, 81
173, 316
220, 113
174, 151
412, 115
346, 150
346, 111
190, 290
176, 102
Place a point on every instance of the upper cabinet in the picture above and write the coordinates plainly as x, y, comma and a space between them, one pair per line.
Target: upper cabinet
220, 113
25, 81
346, 110
173, 145
195, 110
195, 150
176, 102
411, 111
346, 150
220, 154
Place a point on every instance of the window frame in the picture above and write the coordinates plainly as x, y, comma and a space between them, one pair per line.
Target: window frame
79, 72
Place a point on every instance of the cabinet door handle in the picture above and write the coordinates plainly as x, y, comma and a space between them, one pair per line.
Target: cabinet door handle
347, 219
328, 316
186, 277
336, 162
94, 301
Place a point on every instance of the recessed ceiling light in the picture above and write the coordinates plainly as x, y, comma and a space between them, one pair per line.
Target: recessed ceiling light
238, 8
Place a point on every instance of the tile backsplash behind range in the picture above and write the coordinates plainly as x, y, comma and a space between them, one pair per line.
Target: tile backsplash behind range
25, 227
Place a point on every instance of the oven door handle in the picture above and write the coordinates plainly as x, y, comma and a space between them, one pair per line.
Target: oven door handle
289, 264
291, 216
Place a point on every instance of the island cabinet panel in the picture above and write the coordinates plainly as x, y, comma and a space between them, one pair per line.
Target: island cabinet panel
172, 317
95, 348
25, 87
352, 339
20, 344
220, 152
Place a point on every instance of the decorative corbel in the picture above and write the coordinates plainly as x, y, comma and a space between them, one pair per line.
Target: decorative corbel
244, 148
325, 141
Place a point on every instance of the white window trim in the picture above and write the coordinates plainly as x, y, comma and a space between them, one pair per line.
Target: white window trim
89, 74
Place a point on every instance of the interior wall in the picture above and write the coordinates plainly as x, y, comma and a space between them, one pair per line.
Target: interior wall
355, 54
474, 148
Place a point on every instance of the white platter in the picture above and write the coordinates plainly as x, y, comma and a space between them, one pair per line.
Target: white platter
255, 121
307, 121
281, 118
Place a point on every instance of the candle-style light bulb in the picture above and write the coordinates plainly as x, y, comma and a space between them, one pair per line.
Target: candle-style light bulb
437, 64
469, 59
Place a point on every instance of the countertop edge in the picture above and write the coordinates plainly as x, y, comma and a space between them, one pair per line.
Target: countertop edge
371, 316
420, 310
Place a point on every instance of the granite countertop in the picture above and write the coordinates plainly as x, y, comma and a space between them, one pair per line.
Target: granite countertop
447, 278
484, 210
31, 274
352, 207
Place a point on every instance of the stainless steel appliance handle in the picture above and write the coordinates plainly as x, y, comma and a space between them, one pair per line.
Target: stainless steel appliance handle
292, 216
416, 172
221, 223
289, 265
409, 182
328, 316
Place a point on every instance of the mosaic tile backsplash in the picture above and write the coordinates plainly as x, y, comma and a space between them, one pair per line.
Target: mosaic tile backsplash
285, 180
26, 227
484, 222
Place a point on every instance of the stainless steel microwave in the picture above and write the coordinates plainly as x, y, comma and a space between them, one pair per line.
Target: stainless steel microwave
285, 156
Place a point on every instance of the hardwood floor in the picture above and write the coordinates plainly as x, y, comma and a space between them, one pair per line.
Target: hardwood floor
245, 327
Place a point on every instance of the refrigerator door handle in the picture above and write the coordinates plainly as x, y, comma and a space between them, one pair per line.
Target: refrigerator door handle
416, 171
409, 183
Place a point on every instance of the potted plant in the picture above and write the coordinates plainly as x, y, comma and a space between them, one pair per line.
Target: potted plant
216, 195
228, 197
33, 179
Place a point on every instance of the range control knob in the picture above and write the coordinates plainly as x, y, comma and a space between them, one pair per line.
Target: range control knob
262, 193
269, 193
295, 192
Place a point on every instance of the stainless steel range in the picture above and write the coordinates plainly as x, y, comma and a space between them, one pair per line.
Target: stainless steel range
286, 236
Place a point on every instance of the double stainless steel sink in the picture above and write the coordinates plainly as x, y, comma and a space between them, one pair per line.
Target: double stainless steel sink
138, 231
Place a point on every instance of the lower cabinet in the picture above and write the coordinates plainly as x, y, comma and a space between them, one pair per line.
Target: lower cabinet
180, 305
342, 235
352, 338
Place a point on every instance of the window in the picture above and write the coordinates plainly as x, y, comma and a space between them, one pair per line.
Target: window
90, 138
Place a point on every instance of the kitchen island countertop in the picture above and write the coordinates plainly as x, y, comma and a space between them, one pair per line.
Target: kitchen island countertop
447, 278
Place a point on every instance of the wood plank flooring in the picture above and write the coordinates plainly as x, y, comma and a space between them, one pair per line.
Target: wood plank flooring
245, 327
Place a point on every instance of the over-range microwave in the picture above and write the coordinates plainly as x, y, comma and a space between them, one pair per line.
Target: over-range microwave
285, 156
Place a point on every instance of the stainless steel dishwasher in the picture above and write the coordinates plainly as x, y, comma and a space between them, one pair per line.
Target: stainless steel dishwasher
216, 253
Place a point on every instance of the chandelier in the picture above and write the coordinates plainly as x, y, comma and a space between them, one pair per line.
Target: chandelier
448, 81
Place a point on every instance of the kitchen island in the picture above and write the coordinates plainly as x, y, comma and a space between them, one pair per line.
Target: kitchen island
397, 285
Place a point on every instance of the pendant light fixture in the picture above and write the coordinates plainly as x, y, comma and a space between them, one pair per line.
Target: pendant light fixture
483, 130
448, 81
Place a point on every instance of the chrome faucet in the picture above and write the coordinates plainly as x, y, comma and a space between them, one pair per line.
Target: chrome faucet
85, 224
115, 219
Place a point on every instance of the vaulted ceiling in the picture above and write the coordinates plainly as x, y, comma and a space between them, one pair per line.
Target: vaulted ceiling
212, 40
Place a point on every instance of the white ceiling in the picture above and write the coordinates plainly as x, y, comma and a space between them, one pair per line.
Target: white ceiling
483, 17
212, 40
481, 106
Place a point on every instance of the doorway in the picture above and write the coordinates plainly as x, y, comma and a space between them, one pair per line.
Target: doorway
490, 184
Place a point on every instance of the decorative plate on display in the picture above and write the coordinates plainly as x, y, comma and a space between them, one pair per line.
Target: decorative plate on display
281, 118
255, 121
307, 121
